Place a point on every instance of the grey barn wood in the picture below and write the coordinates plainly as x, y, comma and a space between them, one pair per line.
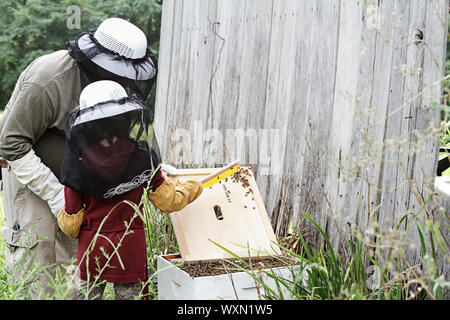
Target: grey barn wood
330, 100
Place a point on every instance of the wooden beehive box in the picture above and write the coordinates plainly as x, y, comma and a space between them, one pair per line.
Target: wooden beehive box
230, 213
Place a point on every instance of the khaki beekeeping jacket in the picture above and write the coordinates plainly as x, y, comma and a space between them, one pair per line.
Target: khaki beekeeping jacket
46, 91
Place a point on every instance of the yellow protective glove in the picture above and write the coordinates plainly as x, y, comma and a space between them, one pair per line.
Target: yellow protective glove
70, 223
170, 197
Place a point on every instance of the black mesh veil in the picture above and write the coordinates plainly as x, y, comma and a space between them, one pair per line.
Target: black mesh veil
108, 151
92, 72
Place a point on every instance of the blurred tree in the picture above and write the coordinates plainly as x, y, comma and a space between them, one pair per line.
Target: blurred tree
32, 28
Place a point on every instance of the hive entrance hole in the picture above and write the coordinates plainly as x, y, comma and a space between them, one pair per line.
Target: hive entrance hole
218, 212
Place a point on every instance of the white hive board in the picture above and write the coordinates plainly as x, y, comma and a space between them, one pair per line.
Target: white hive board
245, 228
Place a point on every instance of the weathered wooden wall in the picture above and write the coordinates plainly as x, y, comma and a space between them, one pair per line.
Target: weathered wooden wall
324, 95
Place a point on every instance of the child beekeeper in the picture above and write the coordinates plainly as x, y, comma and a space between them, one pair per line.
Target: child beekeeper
108, 160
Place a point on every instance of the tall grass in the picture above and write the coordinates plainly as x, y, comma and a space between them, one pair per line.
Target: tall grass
160, 239
317, 273
322, 274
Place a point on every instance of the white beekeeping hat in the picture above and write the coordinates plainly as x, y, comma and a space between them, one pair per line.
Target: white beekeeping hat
126, 51
101, 91
116, 49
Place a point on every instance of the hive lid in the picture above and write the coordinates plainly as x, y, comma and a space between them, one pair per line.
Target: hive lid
229, 214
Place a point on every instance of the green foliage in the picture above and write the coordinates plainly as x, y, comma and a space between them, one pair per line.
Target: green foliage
160, 239
36, 27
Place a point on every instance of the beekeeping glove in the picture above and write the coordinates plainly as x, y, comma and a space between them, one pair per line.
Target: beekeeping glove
31, 172
70, 223
170, 197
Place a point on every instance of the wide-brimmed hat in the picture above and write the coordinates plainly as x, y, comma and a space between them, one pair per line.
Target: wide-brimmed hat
119, 47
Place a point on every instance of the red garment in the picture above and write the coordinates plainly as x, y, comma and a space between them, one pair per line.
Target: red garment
110, 215
132, 251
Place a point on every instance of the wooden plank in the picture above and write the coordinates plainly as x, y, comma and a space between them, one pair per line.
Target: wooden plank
427, 120
310, 129
408, 126
180, 109
376, 121
345, 95
164, 72
393, 177
227, 36
279, 101
201, 55
165, 106
359, 199
436, 36
252, 82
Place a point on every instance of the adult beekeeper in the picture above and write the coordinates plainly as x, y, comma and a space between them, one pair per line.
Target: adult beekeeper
32, 142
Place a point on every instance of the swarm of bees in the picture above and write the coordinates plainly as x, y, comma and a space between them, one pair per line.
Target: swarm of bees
241, 176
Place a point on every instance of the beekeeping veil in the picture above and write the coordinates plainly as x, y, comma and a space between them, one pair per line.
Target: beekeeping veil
116, 50
108, 152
